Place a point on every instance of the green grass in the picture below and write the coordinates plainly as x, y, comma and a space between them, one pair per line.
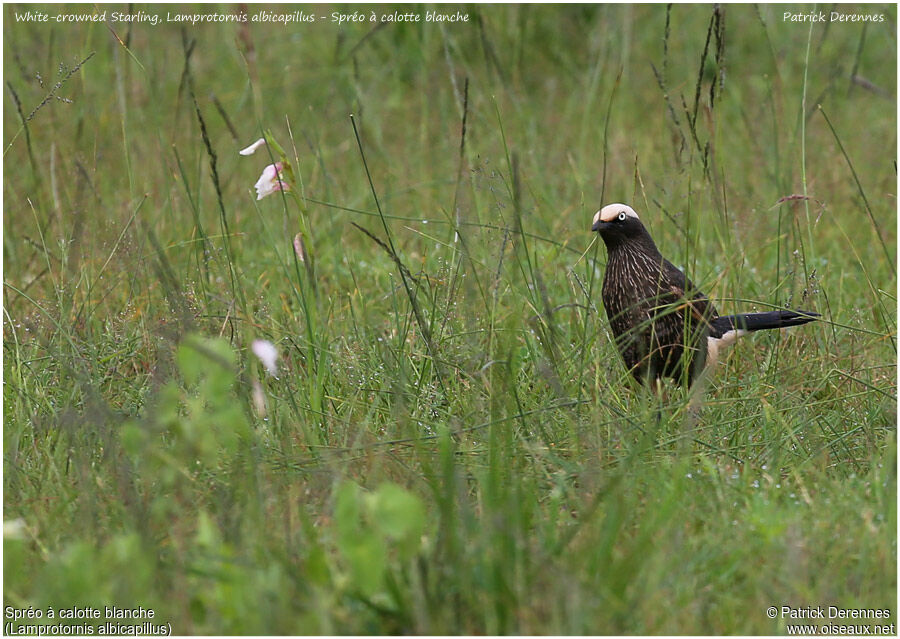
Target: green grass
451, 444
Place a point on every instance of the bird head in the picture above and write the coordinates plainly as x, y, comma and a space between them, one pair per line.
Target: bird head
617, 222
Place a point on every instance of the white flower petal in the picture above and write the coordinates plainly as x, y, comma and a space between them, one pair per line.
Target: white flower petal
250, 150
269, 183
259, 398
265, 182
14, 528
267, 354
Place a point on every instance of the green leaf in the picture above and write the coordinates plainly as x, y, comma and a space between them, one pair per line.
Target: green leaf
133, 438
211, 358
207, 532
397, 513
346, 513
316, 566
366, 558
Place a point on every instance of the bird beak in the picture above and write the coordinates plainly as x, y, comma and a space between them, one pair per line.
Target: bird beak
599, 226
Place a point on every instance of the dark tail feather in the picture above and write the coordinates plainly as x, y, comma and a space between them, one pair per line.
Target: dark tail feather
759, 321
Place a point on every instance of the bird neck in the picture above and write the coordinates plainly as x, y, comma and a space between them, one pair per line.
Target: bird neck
641, 244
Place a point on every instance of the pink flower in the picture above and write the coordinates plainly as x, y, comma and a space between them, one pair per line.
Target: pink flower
300, 247
270, 181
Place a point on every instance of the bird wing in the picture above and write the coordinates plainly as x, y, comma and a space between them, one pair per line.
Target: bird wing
684, 291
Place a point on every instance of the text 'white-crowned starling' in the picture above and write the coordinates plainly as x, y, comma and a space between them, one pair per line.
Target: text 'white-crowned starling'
663, 325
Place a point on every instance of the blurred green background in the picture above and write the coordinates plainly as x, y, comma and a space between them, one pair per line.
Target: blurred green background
451, 445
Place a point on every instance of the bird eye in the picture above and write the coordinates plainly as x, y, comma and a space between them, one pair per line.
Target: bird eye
622, 216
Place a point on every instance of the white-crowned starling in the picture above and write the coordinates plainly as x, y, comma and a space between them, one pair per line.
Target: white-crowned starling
663, 325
